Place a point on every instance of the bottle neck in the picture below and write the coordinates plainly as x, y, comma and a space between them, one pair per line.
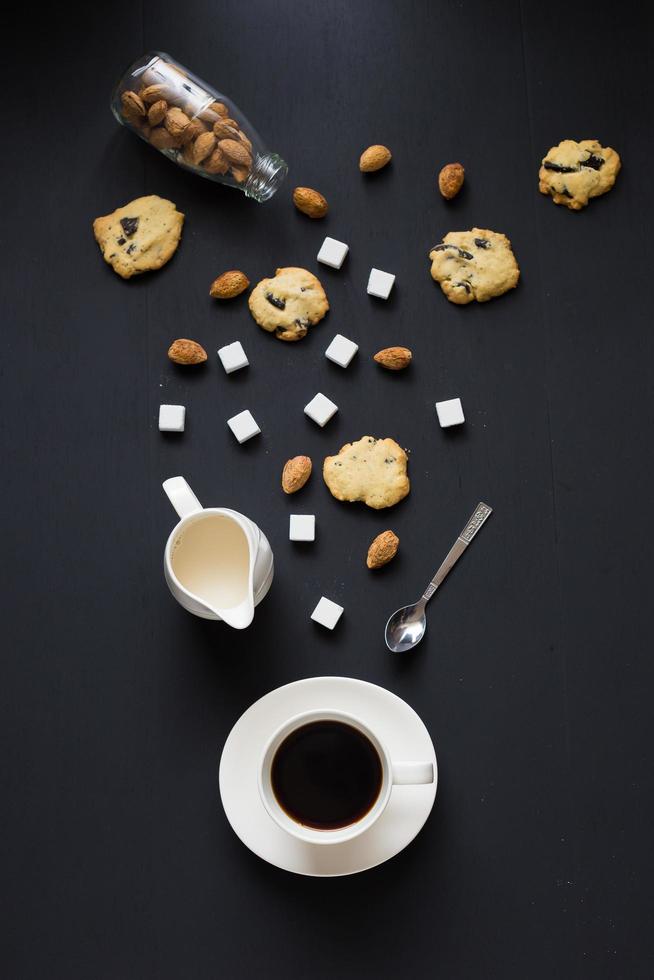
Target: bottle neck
265, 177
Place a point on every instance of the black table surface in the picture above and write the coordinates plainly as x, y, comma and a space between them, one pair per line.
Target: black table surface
536, 673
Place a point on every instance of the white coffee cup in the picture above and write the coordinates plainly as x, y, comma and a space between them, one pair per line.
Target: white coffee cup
393, 774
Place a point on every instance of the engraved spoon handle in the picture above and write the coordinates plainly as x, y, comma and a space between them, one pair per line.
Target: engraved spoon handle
481, 514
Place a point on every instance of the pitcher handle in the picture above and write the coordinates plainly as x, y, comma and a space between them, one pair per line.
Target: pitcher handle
181, 496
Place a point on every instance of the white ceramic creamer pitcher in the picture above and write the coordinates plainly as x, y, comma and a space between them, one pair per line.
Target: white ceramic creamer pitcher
217, 563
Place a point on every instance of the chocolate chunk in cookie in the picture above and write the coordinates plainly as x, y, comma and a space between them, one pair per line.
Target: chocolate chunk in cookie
288, 304
474, 265
571, 173
371, 470
139, 237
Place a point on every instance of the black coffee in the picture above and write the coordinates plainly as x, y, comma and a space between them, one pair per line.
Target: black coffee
326, 775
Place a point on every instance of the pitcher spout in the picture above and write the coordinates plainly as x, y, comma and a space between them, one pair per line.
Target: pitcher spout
238, 617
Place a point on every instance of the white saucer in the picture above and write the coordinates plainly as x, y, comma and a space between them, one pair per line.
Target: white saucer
399, 728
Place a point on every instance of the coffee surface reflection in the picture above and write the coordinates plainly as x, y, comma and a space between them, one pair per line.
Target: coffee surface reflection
326, 775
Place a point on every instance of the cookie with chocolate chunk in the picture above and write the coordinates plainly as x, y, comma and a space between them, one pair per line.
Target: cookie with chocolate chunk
139, 237
289, 303
474, 265
371, 470
571, 173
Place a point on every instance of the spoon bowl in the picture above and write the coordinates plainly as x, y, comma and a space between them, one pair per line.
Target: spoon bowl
406, 628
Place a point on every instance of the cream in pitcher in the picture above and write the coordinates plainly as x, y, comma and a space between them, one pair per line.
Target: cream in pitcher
217, 563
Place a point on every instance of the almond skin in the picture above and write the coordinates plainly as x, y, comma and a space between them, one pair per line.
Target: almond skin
176, 122
240, 173
374, 158
217, 163
132, 106
295, 474
186, 352
195, 129
224, 131
187, 154
450, 180
219, 107
394, 358
154, 93
310, 202
157, 112
383, 549
243, 138
236, 152
203, 147
229, 284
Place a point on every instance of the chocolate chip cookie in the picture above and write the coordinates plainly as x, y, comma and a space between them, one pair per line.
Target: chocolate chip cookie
288, 304
372, 470
139, 237
476, 264
572, 172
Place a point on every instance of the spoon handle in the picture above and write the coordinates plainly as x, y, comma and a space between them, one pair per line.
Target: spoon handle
481, 514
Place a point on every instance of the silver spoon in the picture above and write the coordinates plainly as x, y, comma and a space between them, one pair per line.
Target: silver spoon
406, 627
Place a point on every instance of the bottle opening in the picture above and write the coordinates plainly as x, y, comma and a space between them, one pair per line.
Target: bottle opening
267, 174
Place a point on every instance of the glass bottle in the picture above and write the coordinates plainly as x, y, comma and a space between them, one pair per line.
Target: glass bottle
196, 126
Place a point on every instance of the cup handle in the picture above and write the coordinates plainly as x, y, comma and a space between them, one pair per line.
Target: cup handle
181, 496
412, 773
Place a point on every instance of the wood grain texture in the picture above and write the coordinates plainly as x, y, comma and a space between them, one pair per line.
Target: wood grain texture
535, 675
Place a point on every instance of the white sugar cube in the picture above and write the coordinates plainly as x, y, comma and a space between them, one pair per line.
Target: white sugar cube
327, 613
243, 426
232, 357
302, 527
333, 252
171, 418
450, 412
380, 283
341, 350
320, 409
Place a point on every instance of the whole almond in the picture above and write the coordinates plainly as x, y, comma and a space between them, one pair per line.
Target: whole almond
374, 158
218, 107
243, 138
157, 112
176, 122
236, 152
310, 202
186, 352
203, 147
240, 173
217, 163
133, 107
450, 180
394, 358
382, 549
163, 140
295, 474
154, 93
223, 131
229, 284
